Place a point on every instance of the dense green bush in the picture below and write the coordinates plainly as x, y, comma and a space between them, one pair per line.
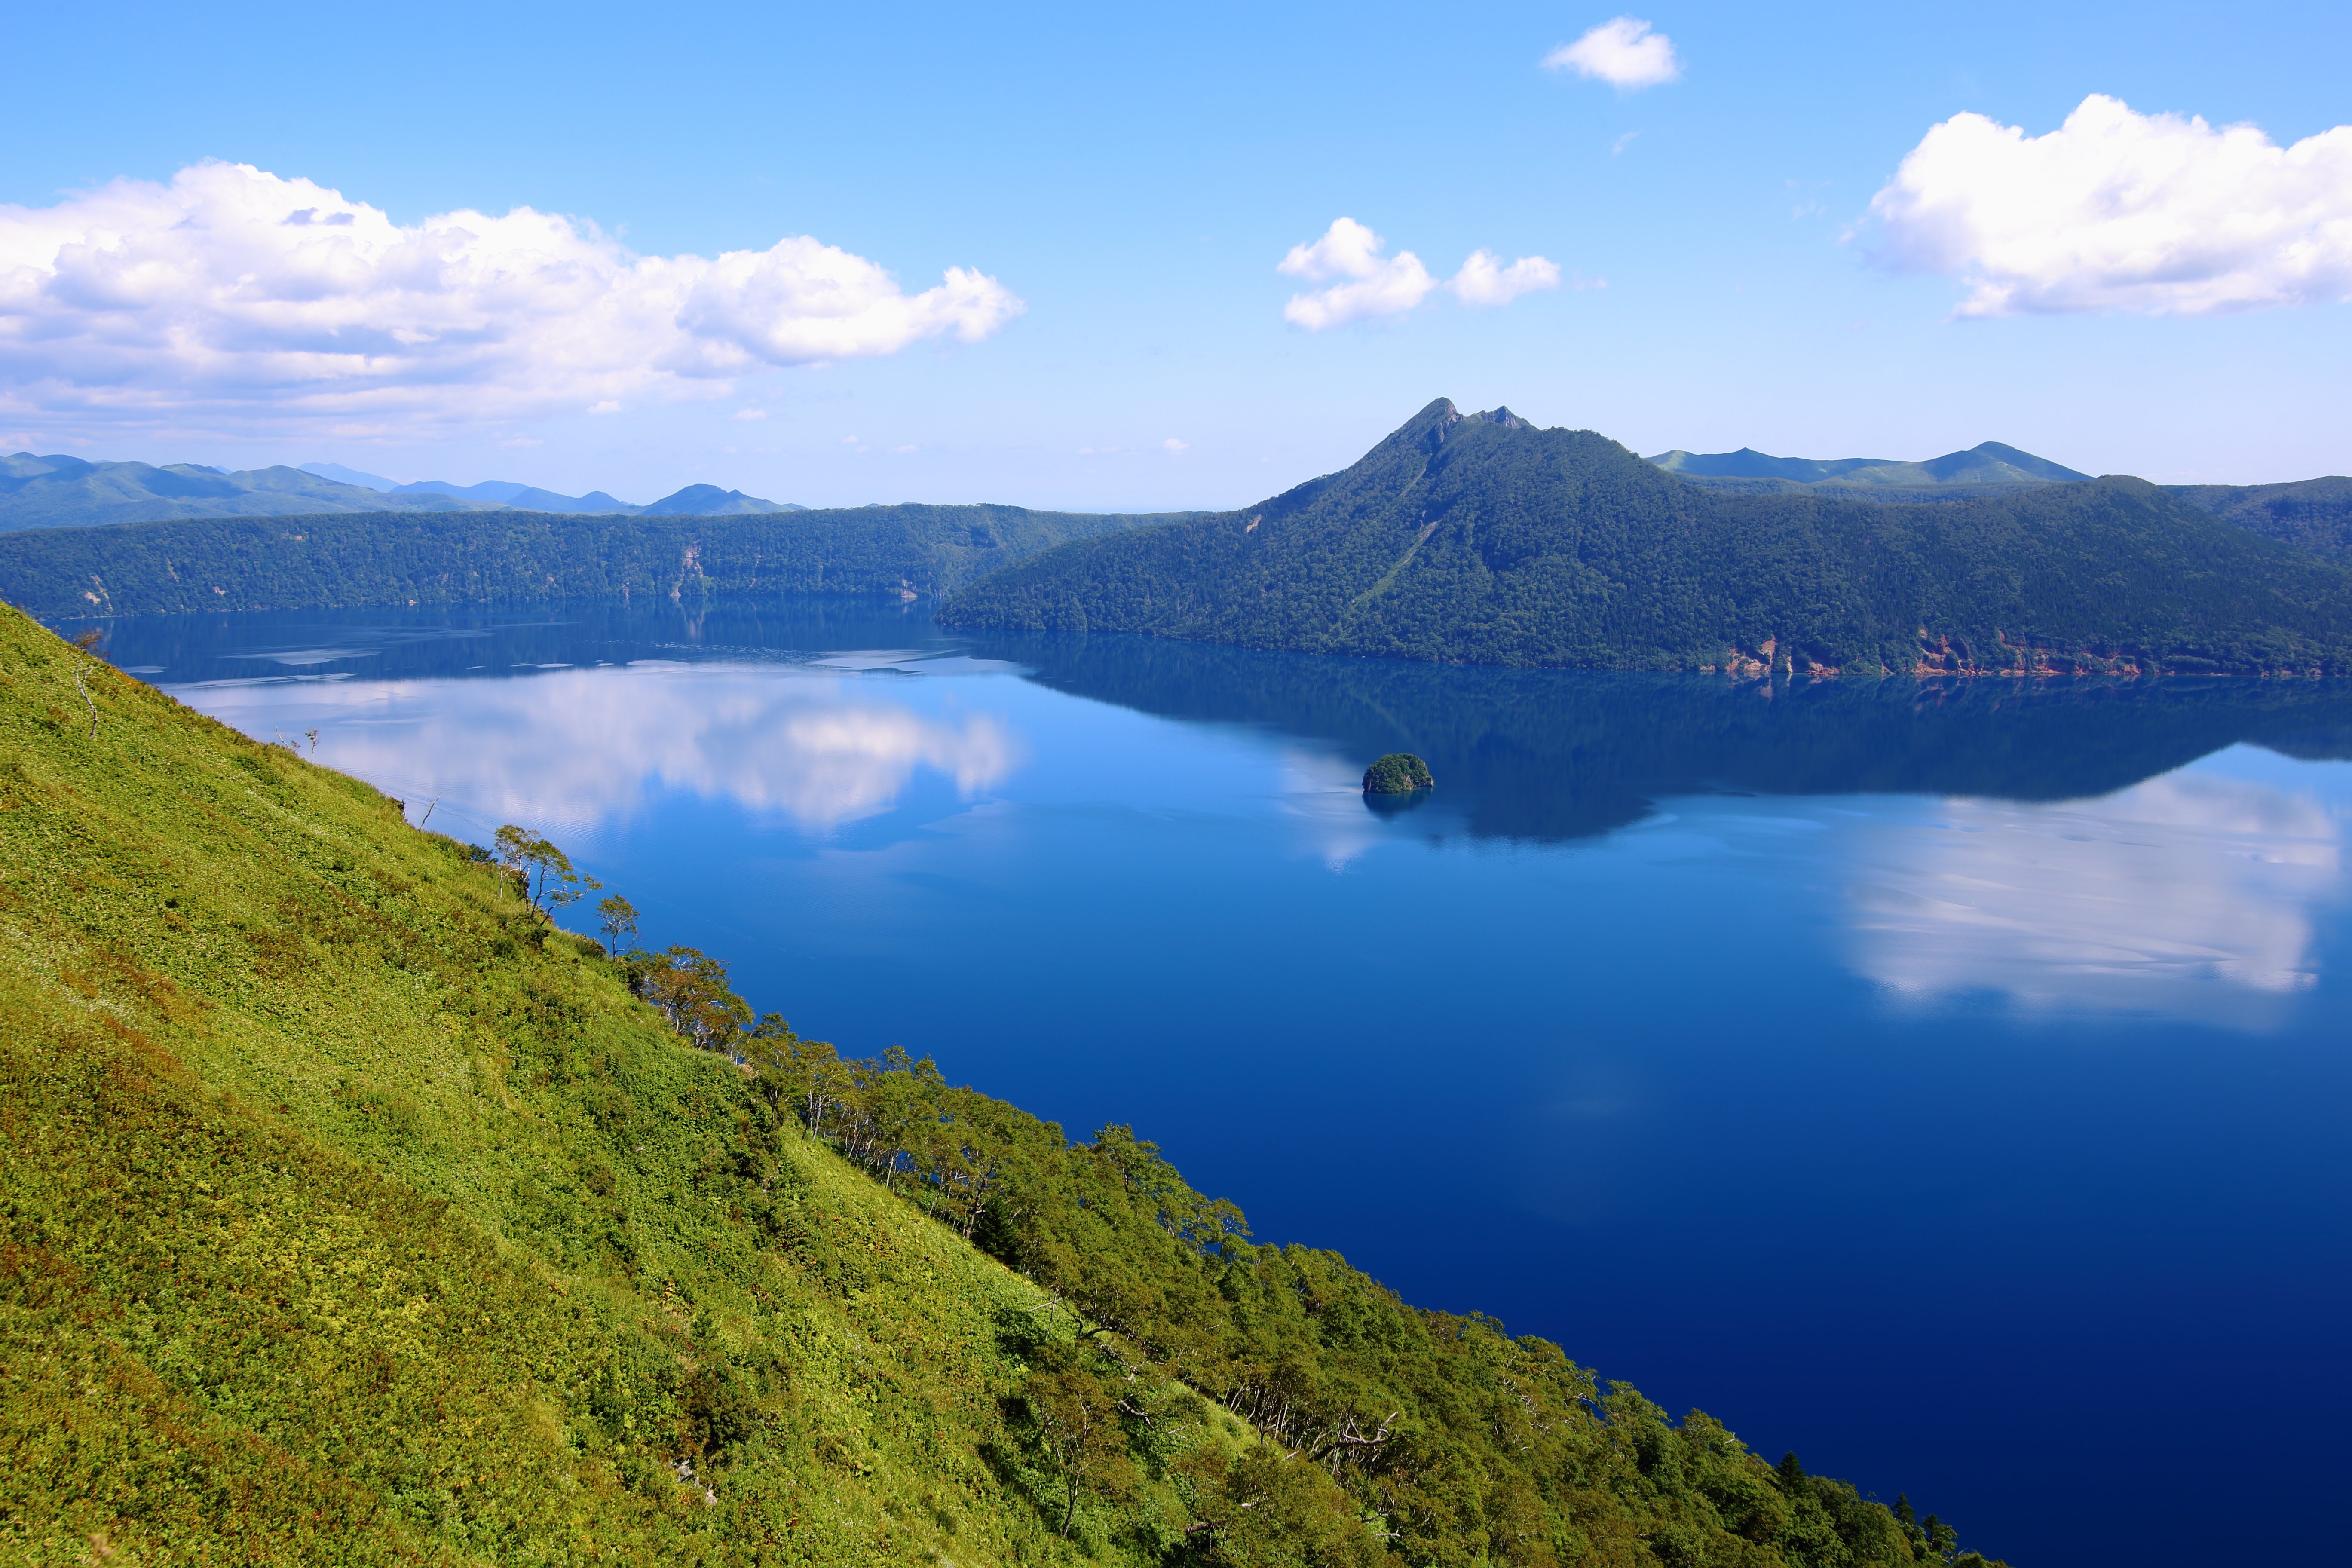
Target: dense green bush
1398, 773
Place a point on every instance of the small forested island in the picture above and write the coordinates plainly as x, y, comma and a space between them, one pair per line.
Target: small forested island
1482, 539
356, 1212
1398, 773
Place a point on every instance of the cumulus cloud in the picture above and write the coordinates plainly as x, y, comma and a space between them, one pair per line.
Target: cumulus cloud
1622, 52
234, 295
2116, 210
1375, 286
1484, 281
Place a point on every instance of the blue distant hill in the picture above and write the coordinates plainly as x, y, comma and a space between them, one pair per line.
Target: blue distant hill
524, 498
710, 500
694, 500
1985, 469
60, 491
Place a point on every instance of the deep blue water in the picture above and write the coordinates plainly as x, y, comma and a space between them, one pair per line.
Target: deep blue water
1946, 1082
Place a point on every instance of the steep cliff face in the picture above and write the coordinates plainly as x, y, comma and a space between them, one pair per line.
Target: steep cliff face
1482, 539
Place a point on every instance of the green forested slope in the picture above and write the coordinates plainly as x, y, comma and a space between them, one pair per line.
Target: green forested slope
1486, 541
2311, 514
352, 1213
381, 558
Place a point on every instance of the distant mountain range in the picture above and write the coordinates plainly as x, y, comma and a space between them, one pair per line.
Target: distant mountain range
694, 500
1480, 539
491, 492
58, 492
1991, 469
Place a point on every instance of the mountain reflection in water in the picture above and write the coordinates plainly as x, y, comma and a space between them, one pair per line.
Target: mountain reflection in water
1547, 755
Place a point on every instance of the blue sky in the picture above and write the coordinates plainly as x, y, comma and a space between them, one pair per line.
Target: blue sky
1131, 183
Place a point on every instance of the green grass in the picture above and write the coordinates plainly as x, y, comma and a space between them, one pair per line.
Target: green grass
353, 1216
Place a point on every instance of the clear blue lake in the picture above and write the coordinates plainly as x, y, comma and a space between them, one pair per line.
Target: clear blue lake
1945, 1081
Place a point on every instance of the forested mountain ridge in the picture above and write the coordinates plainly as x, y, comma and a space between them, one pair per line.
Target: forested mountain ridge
2311, 514
1485, 539
355, 1214
292, 563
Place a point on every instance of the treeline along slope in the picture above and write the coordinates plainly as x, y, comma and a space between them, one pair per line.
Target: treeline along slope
379, 558
354, 1213
1485, 539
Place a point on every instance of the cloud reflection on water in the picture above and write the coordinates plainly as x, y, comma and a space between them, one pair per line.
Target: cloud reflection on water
817, 748
2191, 895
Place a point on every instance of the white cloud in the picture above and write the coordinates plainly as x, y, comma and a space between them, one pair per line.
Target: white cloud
1483, 280
1378, 286
1622, 52
819, 749
748, 413
1173, 445
2116, 210
234, 296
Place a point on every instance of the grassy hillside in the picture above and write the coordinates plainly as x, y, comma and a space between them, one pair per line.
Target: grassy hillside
1484, 541
354, 1213
292, 563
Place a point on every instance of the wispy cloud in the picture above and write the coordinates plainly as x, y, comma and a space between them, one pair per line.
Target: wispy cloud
1374, 286
1622, 52
234, 298
2117, 210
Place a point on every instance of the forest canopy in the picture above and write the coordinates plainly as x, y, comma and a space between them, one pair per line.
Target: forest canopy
509, 557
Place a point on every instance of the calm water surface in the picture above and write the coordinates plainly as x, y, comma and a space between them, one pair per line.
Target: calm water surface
1949, 1083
